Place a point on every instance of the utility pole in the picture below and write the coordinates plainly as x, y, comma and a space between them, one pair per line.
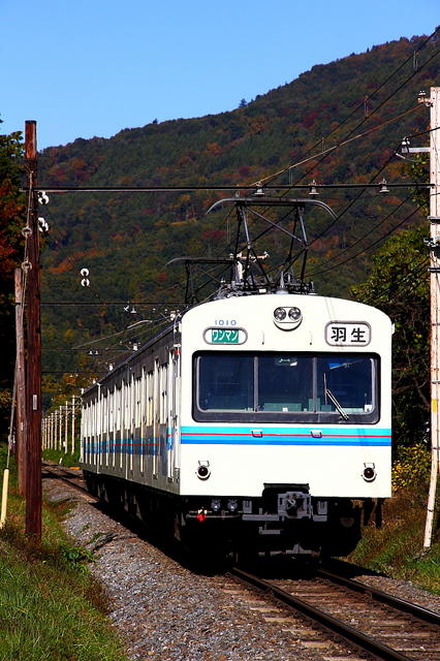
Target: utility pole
434, 218
66, 427
33, 489
73, 424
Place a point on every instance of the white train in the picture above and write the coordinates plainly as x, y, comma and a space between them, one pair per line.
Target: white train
256, 422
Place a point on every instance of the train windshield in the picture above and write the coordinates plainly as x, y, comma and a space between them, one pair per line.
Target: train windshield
276, 386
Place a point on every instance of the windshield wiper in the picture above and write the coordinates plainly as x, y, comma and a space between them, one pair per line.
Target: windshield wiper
333, 399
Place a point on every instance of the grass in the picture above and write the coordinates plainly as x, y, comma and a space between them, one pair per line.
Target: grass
396, 549
60, 457
50, 606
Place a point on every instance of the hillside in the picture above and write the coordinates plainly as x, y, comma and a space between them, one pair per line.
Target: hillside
364, 103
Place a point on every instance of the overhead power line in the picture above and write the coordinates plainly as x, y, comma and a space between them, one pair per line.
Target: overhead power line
236, 188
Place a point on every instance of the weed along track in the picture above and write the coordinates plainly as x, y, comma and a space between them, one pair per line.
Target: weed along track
165, 609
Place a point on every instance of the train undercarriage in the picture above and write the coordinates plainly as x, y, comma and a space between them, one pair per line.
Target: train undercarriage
286, 519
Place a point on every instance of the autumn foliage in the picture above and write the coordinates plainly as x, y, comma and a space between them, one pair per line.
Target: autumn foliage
12, 210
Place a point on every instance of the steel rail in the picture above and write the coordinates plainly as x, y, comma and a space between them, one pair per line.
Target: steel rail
421, 613
361, 641
68, 476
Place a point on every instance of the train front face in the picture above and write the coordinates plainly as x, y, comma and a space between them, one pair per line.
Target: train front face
285, 419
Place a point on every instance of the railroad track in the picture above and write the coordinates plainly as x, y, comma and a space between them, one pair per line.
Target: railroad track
71, 476
372, 621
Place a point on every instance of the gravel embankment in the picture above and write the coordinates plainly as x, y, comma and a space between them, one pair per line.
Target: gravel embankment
163, 611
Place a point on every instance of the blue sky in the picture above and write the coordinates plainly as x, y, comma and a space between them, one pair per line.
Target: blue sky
92, 67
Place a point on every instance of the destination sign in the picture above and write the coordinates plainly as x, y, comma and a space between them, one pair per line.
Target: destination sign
348, 333
225, 335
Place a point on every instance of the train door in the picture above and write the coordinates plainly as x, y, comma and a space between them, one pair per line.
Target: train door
111, 427
118, 424
142, 421
173, 436
105, 429
85, 434
124, 427
95, 437
156, 417
131, 423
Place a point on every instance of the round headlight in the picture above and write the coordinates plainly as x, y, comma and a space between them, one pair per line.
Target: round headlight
203, 472
294, 313
279, 314
369, 474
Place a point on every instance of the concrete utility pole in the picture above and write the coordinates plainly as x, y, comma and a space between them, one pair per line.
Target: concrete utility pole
33, 489
434, 217
72, 447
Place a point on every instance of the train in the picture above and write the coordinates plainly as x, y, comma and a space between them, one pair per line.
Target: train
261, 421
256, 422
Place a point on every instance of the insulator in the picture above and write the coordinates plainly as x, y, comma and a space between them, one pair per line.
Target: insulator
383, 186
312, 189
43, 225
42, 197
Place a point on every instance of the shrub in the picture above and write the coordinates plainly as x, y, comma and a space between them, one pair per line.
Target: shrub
412, 468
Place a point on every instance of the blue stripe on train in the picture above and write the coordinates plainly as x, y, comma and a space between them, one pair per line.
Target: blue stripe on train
210, 435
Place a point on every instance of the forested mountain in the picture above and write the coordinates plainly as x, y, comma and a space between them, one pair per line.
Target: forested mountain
339, 125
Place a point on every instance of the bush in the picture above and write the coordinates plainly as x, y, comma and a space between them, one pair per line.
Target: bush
412, 468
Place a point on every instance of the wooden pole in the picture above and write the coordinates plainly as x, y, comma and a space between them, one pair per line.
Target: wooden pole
33, 327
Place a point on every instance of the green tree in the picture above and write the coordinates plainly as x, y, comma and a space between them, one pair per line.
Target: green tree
399, 286
12, 210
